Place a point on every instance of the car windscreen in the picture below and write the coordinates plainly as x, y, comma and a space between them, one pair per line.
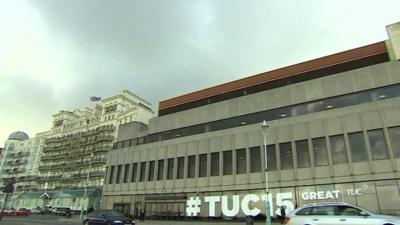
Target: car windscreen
115, 214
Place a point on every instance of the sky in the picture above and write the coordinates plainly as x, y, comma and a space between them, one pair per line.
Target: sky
54, 54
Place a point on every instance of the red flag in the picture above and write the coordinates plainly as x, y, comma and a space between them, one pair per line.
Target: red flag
95, 98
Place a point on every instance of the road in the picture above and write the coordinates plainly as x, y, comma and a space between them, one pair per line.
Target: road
58, 220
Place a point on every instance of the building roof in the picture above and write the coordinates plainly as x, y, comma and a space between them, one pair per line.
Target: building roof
19, 136
328, 65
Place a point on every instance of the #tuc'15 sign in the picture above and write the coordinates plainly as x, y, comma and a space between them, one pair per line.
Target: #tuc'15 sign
231, 205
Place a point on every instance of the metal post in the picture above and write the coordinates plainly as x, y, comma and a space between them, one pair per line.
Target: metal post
264, 127
86, 184
4, 205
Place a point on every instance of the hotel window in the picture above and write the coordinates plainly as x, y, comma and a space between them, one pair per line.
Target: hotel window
338, 148
111, 176
303, 154
203, 165
241, 162
160, 173
255, 160
191, 166
126, 173
215, 164
227, 163
357, 147
394, 133
151, 170
119, 170
142, 171
320, 151
170, 171
286, 154
134, 172
378, 144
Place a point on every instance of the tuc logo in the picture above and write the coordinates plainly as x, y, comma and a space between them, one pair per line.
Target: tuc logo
232, 205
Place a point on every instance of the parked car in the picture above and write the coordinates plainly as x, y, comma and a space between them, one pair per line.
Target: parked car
338, 213
23, 212
63, 211
107, 217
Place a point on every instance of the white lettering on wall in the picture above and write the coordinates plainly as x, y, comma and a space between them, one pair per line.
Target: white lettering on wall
246, 205
235, 206
211, 204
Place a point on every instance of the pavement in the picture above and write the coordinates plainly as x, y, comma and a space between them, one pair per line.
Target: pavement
58, 220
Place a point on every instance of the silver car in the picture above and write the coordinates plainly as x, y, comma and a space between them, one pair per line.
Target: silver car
338, 214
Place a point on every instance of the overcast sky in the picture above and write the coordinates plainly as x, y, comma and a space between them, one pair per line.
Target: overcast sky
54, 54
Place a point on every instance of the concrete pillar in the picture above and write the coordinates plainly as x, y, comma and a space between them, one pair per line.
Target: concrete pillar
393, 44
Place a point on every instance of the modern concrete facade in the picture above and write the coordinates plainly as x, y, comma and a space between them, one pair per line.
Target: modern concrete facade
334, 132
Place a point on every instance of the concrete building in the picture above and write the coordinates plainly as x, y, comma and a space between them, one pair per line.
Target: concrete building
334, 131
76, 148
20, 163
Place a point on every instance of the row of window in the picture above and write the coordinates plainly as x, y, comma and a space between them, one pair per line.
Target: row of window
354, 147
269, 115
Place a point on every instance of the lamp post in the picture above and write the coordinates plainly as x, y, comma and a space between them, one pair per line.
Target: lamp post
264, 127
86, 184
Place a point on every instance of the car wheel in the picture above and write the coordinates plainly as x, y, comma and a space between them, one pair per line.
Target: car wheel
108, 223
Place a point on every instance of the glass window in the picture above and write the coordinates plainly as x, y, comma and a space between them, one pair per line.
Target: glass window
324, 210
126, 173
320, 151
170, 172
134, 172
255, 160
241, 165
303, 155
271, 157
215, 164
298, 110
317, 106
202, 165
338, 148
378, 144
285, 150
357, 146
191, 166
151, 170
181, 167
347, 211
111, 176
160, 173
227, 163
142, 171
394, 133
119, 171
306, 211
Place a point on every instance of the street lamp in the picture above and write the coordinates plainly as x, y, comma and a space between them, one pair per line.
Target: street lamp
86, 184
264, 127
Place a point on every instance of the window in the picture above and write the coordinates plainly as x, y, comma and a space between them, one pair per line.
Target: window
338, 148
323, 210
119, 170
271, 157
358, 148
303, 155
111, 176
126, 173
151, 170
191, 166
320, 151
227, 163
203, 165
394, 133
142, 171
134, 172
160, 173
378, 144
215, 164
347, 211
241, 162
181, 168
170, 171
286, 156
255, 160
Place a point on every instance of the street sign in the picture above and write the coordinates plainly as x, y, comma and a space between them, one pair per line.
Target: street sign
9, 188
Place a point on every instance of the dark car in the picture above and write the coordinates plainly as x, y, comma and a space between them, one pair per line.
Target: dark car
63, 211
107, 217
